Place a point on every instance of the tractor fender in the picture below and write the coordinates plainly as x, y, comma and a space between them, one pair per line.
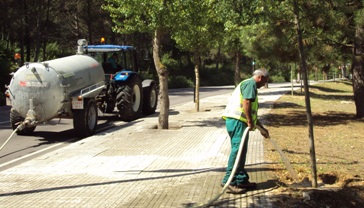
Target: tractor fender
124, 75
147, 83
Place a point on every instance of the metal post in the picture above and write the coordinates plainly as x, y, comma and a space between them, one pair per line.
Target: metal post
291, 79
253, 65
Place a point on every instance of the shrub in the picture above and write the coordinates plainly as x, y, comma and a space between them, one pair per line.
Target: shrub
210, 76
179, 82
276, 78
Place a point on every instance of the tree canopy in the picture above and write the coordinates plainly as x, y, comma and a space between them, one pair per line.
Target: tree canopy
241, 31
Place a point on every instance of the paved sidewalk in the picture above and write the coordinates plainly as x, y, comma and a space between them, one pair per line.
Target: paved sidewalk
140, 166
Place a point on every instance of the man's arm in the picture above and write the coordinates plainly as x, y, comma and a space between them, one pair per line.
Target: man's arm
247, 105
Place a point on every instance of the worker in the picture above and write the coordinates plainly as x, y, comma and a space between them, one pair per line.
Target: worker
113, 60
240, 113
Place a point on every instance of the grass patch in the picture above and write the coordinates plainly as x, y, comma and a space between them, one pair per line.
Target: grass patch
338, 137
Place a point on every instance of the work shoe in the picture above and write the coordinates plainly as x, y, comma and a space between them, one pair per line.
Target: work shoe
231, 189
247, 185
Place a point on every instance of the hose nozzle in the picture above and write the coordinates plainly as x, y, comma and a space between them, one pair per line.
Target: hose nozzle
30, 120
263, 131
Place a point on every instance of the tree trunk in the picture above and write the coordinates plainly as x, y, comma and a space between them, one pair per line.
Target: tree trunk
197, 62
358, 73
307, 95
38, 35
358, 86
325, 71
27, 31
218, 58
89, 20
343, 71
163, 82
316, 73
45, 35
237, 78
21, 34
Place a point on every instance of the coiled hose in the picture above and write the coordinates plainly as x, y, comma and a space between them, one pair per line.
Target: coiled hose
237, 160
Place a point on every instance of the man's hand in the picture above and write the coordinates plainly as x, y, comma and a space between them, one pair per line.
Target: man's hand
263, 131
250, 125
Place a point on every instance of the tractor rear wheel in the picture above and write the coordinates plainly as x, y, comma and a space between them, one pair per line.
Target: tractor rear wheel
129, 99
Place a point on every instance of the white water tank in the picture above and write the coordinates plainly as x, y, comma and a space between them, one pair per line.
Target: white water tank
51, 84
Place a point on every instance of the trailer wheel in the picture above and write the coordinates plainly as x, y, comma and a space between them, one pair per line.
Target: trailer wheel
15, 120
150, 99
85, 120
129, 99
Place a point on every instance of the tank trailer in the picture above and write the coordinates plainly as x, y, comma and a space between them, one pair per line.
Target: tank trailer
79, 87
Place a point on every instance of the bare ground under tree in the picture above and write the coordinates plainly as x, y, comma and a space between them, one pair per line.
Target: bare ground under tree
339, 144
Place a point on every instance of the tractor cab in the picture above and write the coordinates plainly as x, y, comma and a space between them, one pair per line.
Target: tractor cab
118, 61
114, 58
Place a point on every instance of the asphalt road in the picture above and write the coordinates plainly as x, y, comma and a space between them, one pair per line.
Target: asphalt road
57, 133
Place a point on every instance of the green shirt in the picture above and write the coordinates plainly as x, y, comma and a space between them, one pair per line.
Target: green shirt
249, 89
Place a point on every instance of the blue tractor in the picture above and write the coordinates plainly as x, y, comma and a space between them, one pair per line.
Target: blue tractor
125, 92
